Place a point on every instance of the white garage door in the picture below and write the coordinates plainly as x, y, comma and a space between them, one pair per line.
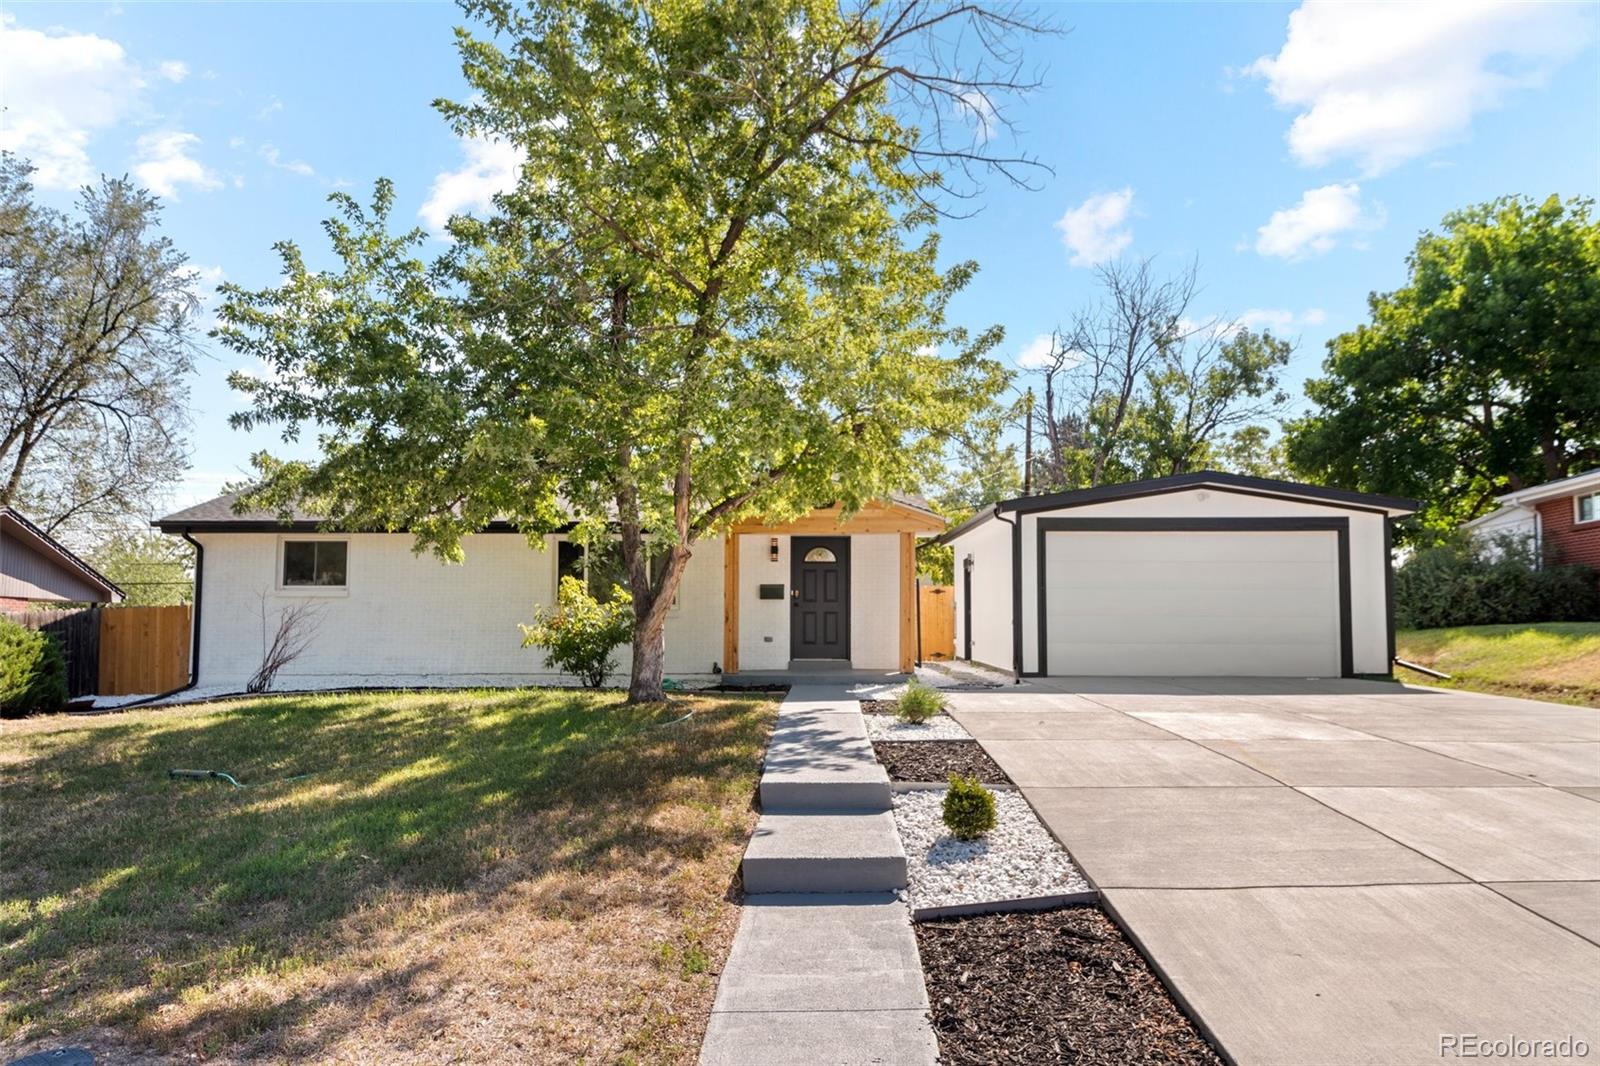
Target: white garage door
1145, 603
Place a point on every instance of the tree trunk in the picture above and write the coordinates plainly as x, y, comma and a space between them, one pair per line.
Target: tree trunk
649, 660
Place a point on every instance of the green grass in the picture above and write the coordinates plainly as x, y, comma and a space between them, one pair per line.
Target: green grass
538, 874
1549, 661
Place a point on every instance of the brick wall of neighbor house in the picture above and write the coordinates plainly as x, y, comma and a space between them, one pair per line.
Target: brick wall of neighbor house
406, 619
9, 603
1566, 541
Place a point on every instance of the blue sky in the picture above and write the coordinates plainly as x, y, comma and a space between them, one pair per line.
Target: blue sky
1296, 151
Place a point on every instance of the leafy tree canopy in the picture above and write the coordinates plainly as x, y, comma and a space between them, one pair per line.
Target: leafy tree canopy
1478, 377
714, 293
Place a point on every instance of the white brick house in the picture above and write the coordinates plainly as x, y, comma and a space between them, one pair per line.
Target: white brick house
823, 589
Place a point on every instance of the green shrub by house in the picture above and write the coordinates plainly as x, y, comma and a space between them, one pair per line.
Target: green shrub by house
919, 702
579, 635
968, 808
33, 672
1464, 582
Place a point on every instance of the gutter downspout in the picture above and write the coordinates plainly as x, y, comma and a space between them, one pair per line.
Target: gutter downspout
194, 638
1016, 592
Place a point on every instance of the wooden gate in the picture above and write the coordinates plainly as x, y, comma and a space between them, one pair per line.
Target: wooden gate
143, 649
78, 633
936, 611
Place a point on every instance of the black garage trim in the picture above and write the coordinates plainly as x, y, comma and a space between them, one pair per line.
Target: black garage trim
1338, 526
1388, 587
1239, 483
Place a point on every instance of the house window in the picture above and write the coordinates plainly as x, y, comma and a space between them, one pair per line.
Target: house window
1588, 506
314, 563
601, 568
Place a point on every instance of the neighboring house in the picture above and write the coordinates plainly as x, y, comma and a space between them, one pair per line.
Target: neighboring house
1560, 519
35, 569
1199, 574
815, 593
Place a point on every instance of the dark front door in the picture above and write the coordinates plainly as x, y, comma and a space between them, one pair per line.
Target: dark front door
819, 594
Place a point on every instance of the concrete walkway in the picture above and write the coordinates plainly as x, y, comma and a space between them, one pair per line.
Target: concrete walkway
1330, 871
824, 966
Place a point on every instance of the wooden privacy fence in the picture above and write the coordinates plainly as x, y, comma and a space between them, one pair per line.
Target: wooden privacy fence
936, 610
143, 649
78, 633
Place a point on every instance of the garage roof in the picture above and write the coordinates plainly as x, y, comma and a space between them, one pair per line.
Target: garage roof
1393, 506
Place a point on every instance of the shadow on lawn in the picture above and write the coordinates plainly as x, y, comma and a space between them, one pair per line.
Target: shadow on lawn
123, 892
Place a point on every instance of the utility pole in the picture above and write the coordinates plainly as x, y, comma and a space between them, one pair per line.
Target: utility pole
1027, 450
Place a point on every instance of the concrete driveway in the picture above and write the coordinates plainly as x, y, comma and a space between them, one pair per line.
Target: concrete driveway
1331, 871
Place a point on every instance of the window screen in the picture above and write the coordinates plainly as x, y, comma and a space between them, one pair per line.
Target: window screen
314, 563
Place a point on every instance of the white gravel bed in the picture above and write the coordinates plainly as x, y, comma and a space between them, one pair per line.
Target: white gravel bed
939, 727
1017, 859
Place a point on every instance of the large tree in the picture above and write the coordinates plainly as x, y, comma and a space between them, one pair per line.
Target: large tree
713, 294
1138, 386
1480, 376
96, 347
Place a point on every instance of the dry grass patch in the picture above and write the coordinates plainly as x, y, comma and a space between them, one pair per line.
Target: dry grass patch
516, 876
1557, 661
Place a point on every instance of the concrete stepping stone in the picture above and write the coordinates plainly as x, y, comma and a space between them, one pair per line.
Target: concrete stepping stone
813, 851
822, 760
816, 979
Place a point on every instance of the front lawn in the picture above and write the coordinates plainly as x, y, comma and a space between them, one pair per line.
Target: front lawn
494, 876
1549, 661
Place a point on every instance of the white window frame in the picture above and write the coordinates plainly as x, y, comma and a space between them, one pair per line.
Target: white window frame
310, 590
555, 568
1577, 509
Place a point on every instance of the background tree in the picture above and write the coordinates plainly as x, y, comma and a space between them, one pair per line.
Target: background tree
1137, 387
96, 346
1480, 376
152, 568
714, 293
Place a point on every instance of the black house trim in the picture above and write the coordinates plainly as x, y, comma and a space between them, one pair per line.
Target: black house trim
1339, 526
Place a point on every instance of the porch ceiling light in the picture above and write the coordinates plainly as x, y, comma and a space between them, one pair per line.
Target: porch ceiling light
772, 548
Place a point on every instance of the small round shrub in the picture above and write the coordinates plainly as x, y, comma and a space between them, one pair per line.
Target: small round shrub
968, 808
579, 636
33, 672
919, 702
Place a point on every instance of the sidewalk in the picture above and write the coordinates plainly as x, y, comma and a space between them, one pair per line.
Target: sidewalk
824, 966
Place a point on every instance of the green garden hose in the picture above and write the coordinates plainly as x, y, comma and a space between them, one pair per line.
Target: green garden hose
218, 775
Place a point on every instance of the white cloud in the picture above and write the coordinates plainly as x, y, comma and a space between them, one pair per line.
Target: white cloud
165, 163
491, 167
60, 89
1096, 230
979, 112
275, 158
174, 70
1381, 83
1036, 353
1315, 224
1278, 319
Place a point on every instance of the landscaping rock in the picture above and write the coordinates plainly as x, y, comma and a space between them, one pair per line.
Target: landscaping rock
1060, 986
882, 726
936, 760
1017, 859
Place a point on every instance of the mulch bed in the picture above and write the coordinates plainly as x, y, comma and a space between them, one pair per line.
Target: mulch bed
936, 760
1059, 986
879, 706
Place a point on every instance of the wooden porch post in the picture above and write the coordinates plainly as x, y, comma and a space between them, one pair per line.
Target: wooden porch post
730, 604
908, 602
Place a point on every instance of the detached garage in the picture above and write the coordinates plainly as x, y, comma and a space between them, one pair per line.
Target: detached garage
1199, 574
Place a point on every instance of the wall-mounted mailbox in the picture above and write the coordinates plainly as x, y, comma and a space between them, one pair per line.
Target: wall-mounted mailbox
771, 592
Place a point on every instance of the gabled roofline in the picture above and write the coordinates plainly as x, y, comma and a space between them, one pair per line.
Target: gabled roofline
1549, 490
59, 551
300, 525
1392, 506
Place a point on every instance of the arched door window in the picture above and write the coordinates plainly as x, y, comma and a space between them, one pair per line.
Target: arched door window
820, 555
